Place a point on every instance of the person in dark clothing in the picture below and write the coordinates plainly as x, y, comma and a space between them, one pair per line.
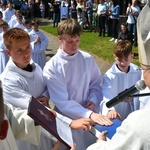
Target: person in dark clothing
73, 11
56, 13
125, 34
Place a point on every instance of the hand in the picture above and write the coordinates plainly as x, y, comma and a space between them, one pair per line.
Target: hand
90, 105
109, 12
73, 146
135, 14
43, 100
83, 123
37, 39
53, 111
56, 146
100, 119
113, 114
102, 136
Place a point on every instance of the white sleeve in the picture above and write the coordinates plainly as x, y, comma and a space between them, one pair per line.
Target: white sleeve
107, 96
44, 41
58, 93
14, 94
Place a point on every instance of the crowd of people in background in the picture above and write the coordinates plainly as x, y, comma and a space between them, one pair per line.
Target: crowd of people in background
12, 18
102, 16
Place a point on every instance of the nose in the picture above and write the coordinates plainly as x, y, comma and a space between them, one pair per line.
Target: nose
26, 53
122, 62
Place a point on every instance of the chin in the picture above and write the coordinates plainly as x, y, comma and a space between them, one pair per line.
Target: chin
124, 67
27, 61
74, 51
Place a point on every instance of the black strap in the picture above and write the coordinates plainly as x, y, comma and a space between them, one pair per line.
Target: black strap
133, 16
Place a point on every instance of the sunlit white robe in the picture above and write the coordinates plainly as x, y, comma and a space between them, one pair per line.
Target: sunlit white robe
115, 82
3, 56
12, 22
19, 128
72, 81
133, 134
38, 49
7, 14
18, 87
18, 25
144, 100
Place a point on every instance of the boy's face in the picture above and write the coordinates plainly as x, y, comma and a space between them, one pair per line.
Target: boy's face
10, 5
69, 44
20, 52
4, 28
35, 27
28, 26
123, 63
123, 28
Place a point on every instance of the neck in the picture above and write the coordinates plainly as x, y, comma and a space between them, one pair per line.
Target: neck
126, 70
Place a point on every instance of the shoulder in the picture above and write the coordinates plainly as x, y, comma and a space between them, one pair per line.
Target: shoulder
52, 63
32, 32
10, 78
41, 33
118, 6
85, 54
109, 75
134, 67
36, 67
113, 69
86, 57
137, 7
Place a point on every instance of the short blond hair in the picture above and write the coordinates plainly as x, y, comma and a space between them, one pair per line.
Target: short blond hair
14, 34
69, 26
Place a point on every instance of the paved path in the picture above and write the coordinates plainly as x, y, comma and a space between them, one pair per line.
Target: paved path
54, 45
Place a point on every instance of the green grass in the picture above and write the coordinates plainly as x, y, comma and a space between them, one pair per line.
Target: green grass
90, 42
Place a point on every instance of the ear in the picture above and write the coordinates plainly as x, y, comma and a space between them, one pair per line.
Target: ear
59, 38
114, 56
8, 52
132, 55
4, 129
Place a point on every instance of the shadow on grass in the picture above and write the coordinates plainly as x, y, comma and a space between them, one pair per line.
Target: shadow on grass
136, 55
48, 49
50, 55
